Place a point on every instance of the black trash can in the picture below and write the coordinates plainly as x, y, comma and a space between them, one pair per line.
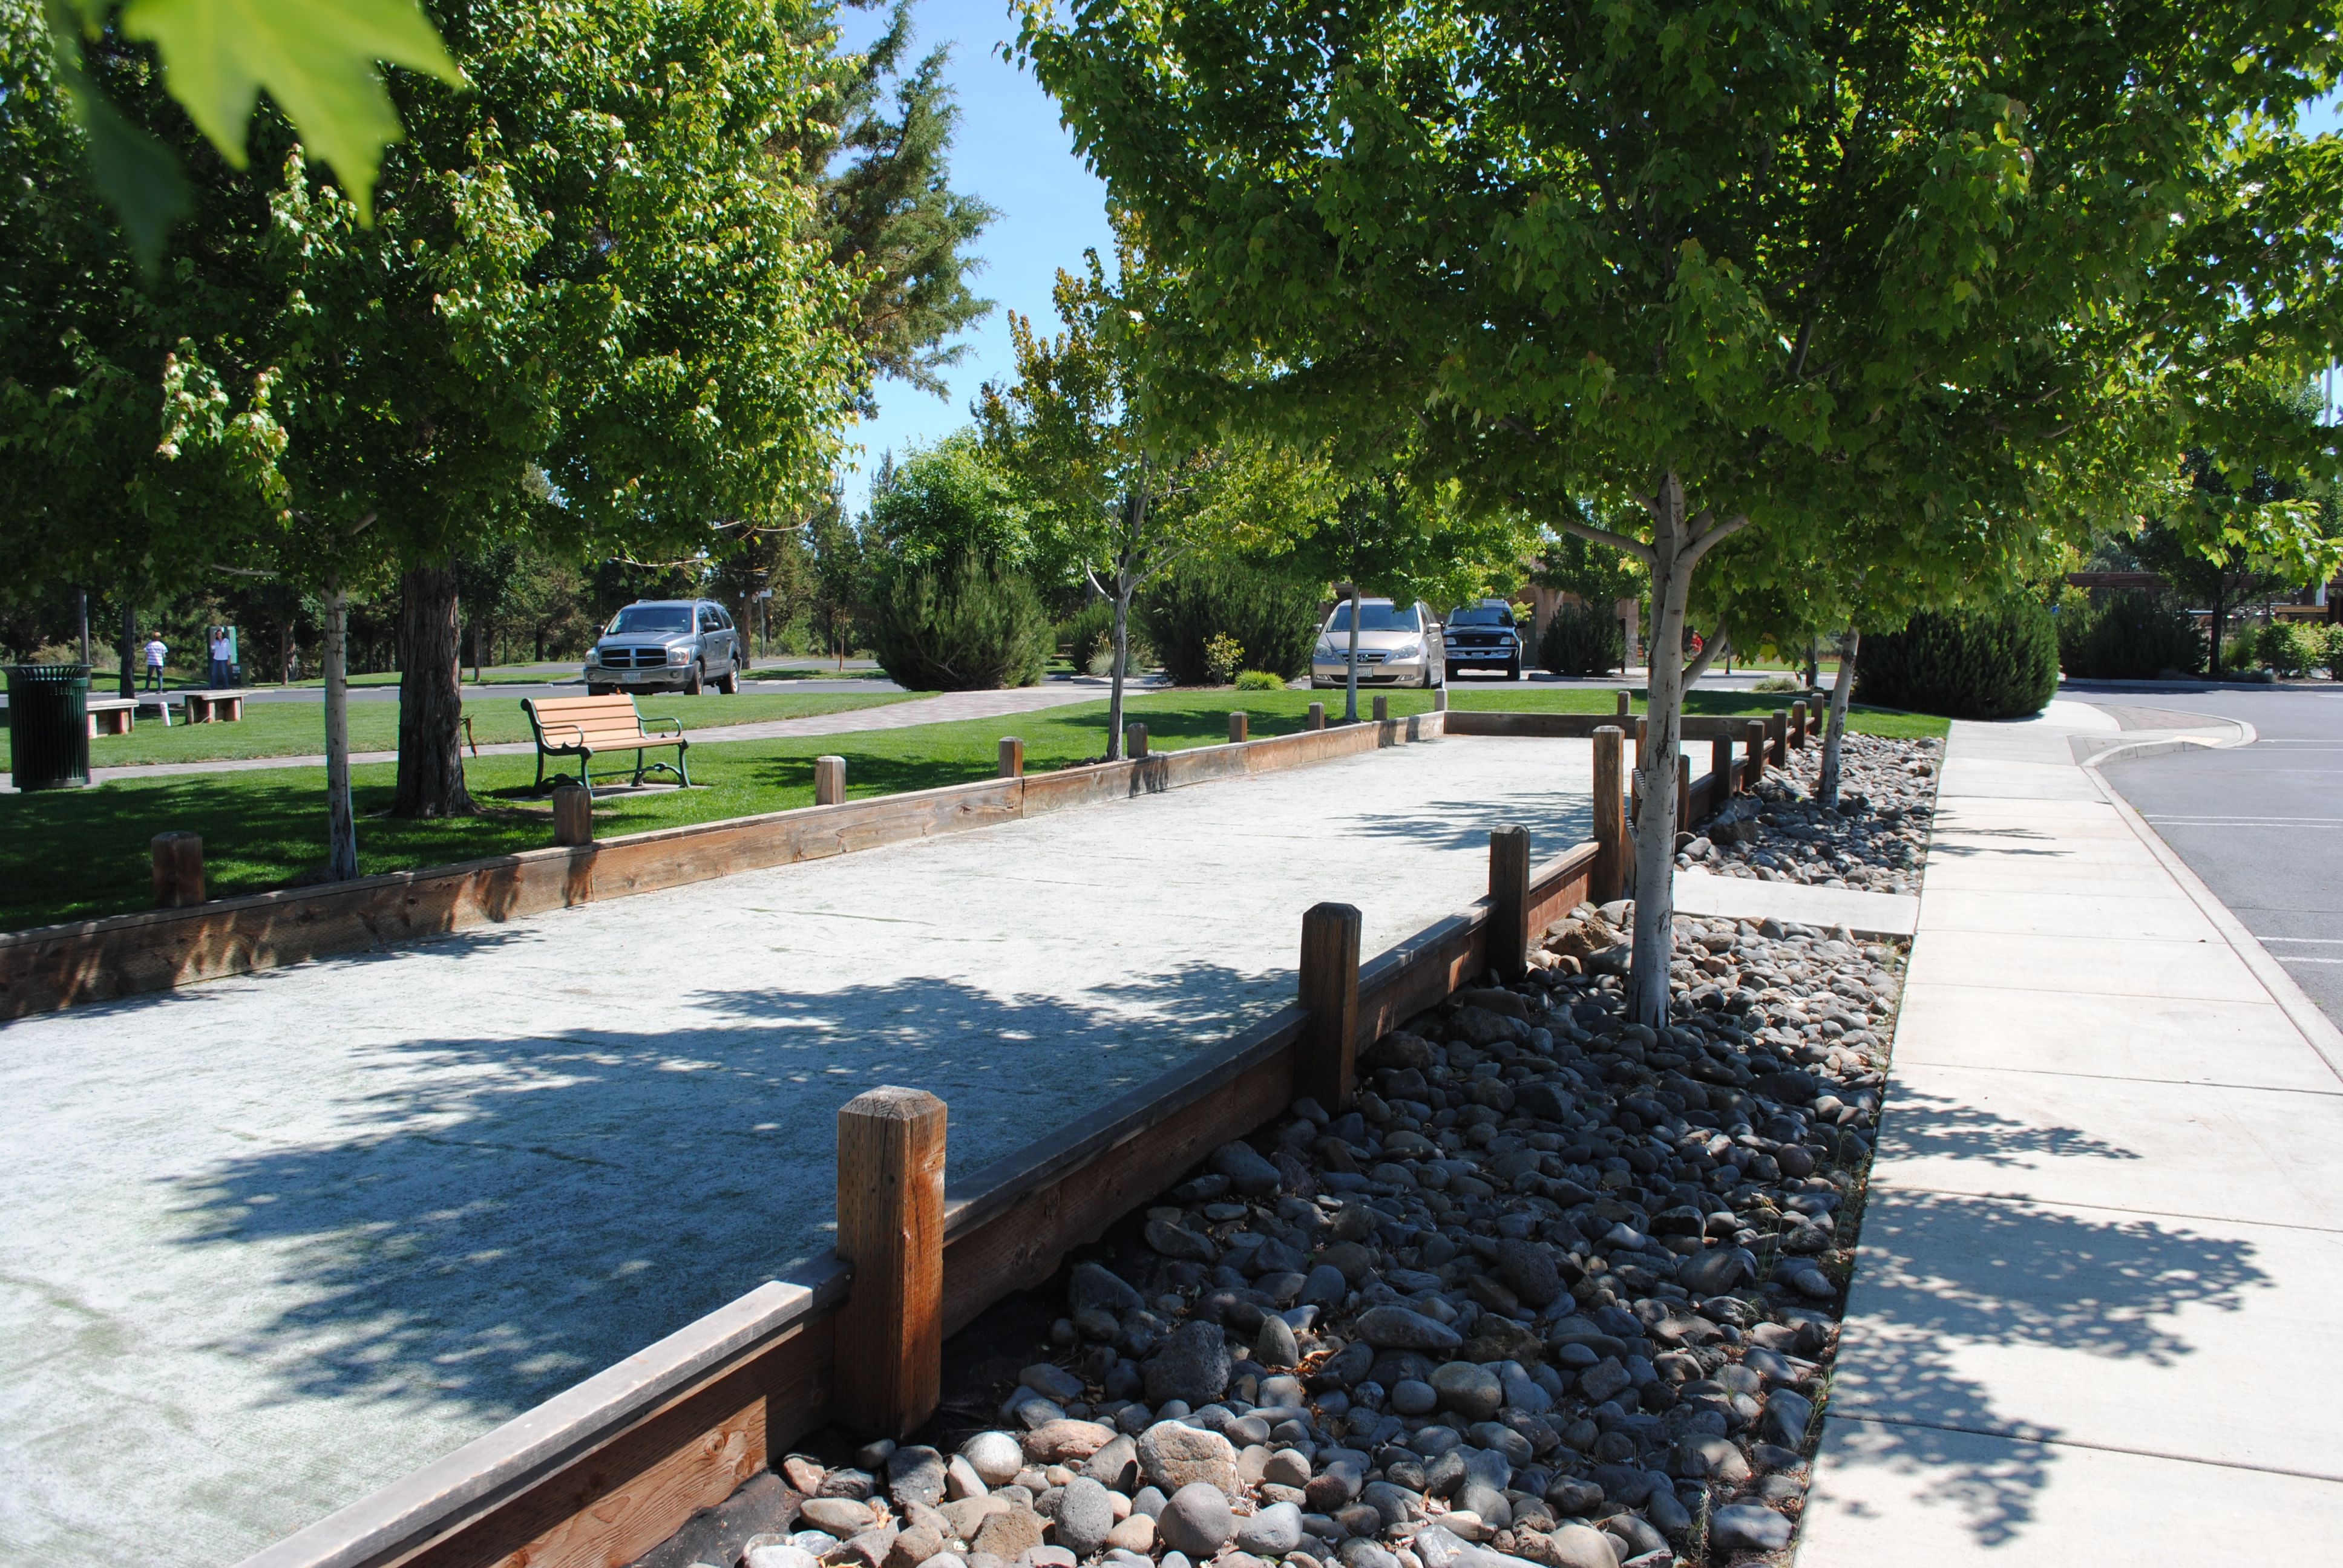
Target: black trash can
48, 726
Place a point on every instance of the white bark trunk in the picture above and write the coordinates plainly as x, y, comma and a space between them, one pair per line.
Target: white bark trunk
1655, 817
341, 817
1834, 732
1122, 660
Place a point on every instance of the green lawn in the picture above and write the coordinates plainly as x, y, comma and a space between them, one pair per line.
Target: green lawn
1531, 699
296, 728
74, 854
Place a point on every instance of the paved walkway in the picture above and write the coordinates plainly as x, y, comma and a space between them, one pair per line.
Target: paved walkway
2104, 1240
938, 709
269, 1243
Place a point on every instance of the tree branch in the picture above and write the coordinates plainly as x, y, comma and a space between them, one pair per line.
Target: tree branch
1620, 542
1709, 538
240, 571
1710, 652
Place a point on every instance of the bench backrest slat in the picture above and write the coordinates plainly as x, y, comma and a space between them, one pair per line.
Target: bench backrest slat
597, 723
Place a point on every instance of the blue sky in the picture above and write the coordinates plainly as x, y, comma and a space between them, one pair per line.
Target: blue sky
1011, 152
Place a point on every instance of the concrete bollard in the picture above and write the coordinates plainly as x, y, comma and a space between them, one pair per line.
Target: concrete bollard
1239, 727
891, 1230
1317, 719
1329, 995
829, 781
1440, 698
1623, 704
573, 815
178, 869
1135, 743
1383, 706
1013, 757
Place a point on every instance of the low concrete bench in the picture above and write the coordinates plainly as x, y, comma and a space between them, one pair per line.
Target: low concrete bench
112, 715
590, 727
215, 707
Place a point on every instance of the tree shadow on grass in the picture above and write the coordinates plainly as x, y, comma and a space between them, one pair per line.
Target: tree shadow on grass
499, 1218
1945, 1283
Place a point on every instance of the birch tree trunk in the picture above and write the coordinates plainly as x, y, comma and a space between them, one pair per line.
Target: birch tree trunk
1656, 817
1834, 732
341, 819
1122, 659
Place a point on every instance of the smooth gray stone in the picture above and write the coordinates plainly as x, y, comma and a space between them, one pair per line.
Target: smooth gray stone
1084, 1515
1197, 1520
1744, 1526
1390, 1327
1273, 1532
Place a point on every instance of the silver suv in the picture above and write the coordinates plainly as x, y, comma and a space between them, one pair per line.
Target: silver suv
667, 644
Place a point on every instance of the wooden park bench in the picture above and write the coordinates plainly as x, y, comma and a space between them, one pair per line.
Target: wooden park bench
588, 727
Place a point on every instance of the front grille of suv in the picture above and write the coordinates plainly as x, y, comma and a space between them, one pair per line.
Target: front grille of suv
634, 658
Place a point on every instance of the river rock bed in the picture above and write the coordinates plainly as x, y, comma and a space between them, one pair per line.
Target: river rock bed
1558, 1290
1875, 841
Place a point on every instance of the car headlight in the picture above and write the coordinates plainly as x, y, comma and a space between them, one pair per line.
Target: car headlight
679, 656
1408, 650
1326, 648
593, 656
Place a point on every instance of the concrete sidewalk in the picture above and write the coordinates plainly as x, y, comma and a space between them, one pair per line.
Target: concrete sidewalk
2104, 1238
942, 708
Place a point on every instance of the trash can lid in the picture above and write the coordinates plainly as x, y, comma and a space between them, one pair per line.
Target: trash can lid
61, 673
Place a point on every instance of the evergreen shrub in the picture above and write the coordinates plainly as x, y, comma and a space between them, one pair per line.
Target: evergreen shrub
2000, 662
1274, 620
965, 627
2132, 637
1581, 640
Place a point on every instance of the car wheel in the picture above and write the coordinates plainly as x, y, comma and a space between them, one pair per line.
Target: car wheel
730, 683
1513, 670
691, 682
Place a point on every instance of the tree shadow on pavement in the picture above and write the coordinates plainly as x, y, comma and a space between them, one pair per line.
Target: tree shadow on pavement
502, 1217
1935, 1126
1947, 1286
1557, 820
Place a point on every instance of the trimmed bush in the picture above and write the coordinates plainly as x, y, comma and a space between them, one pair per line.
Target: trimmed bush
1995, 663
1260, 680
2289, 647
1086, 632
2331, 642
963, 628
1273, 620
1581, 640
2132, 637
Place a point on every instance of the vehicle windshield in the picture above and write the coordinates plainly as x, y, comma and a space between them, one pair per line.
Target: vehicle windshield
640, 618
1482, 615
1375, 617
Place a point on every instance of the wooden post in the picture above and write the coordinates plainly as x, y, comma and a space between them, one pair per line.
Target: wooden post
573, 815
1135, 743
1610, 822
1777, 730
1329, 993
829, 781
1798, 724
1239, 727
178, 869
1013, 757
891, 1230
1623, 702
1754, 733
1383, 706
1317, 716
1720, 768
1508, 901
1683, 791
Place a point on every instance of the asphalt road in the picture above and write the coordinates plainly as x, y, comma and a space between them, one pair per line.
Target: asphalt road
2261, 824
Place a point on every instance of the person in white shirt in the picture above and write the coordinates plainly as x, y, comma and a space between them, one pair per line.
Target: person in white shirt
221, 659
154, 652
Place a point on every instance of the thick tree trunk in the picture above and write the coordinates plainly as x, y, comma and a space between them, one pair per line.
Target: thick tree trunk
341, 817
129, 651
430, 698
1674, 558
1351, 677
1835, 733
1122, 662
